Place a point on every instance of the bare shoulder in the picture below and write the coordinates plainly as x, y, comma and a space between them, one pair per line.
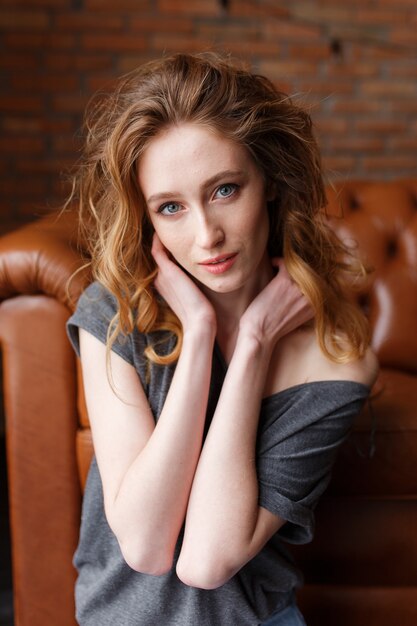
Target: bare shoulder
299, 359
363, 370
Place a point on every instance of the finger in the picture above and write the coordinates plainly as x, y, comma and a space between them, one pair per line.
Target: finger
279, 263
276, 260
158, 250
156, 245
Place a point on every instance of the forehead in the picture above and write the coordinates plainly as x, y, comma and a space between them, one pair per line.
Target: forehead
189, 152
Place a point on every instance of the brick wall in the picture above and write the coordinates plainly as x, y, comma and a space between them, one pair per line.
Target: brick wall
353, 63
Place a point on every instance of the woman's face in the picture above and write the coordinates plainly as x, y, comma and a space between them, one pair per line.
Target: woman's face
206, 199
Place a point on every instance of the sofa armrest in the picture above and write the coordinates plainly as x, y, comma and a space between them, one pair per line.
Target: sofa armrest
40, 393
44, 257
41, 277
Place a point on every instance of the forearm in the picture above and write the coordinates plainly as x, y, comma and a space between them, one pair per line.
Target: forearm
149, 508
223, 512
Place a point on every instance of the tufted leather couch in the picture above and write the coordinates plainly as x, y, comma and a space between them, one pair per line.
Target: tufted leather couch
361, 569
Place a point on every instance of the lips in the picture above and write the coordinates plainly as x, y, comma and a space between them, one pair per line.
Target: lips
219, 264
218, 259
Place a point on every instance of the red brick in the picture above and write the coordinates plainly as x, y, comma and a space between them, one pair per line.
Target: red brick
324, 13
404, 143
13, 104
66, 144
32, 187
334, 165
348, 105
380, 16
115, 43
331, 88
45, 83
101, 83
246, 33
13, 124
399, 4
69, 103
18, 61
265, 49
374, 51
331, 125
161, 24
287, 31
57, 52
355, 144
404, 106
127, 63
117, 5
389, 163
39, 41
84, 62
315, 51
24, 20
38, 4
58, 125
380, 126
353, 71
257, 10
404, 35
206, 8
398, 88
407, 68
286, 69
52, 166
177, 43
13, 145
87, 21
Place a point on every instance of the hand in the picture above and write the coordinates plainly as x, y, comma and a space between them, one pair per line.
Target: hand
277, 310
180, 292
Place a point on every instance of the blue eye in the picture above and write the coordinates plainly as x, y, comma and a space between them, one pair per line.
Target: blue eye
225, 191
170, 208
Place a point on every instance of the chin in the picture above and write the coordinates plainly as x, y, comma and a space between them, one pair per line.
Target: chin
225, 286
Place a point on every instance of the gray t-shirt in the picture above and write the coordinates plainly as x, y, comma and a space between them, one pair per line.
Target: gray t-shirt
300, 430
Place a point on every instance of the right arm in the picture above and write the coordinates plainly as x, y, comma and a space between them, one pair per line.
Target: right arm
147, 470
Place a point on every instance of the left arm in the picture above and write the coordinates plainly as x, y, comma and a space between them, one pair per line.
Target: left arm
225, 526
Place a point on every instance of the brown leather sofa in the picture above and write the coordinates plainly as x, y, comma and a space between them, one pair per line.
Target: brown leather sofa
361, 569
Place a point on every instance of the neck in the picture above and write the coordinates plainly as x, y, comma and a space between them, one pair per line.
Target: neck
230, 307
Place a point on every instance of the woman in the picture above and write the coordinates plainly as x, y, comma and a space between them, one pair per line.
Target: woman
222, 360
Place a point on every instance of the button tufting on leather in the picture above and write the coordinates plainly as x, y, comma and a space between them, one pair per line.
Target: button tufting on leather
363, 301
354, 204
392, 248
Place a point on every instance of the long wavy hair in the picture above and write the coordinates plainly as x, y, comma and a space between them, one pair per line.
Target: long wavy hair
210, 90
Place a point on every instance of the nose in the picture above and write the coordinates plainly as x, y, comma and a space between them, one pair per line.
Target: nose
209, 231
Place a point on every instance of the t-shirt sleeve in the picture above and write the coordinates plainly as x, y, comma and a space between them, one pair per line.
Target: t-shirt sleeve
299, 434
95, 311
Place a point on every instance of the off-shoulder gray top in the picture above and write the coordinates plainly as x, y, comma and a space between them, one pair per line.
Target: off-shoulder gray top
300, 430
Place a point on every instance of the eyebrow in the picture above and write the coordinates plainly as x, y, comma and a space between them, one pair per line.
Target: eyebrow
166, 195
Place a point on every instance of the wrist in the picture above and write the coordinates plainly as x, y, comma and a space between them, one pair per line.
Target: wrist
202, 331
252, 345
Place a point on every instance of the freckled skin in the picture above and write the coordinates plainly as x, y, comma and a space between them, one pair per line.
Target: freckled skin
207, 200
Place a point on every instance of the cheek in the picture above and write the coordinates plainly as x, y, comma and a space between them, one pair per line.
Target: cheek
163, 233
258, 231
257, 222
175, 245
